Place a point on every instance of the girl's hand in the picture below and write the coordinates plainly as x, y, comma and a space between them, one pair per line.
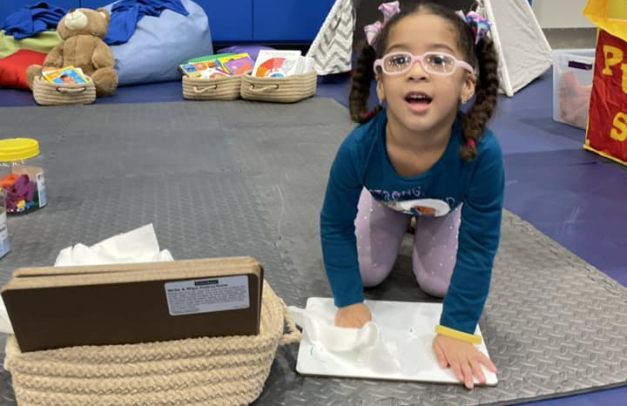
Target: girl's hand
353, 316
463, 358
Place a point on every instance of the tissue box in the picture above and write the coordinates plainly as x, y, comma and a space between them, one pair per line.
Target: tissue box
126, 304
572, 86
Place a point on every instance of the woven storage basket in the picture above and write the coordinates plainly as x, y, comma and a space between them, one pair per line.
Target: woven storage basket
47, 94
222, 88
223, 371
281, 90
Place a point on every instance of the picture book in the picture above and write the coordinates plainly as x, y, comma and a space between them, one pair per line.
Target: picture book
65, 76
212, 73
208, 58
278, 64
201, 69
240, 66
237, 64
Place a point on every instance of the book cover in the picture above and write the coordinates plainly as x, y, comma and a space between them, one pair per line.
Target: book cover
65, 76
208, 58
227, 61
195, 70
277, 64
213, 73
240, 66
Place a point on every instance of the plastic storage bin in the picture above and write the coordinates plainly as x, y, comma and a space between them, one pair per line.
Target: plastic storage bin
22, 175
573, 70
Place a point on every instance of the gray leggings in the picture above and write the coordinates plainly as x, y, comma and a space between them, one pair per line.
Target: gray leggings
380, 230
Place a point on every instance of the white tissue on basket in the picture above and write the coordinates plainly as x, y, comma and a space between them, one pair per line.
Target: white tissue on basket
139, 245
136, 246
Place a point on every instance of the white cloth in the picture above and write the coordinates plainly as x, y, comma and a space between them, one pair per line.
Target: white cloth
139, 245
362, 347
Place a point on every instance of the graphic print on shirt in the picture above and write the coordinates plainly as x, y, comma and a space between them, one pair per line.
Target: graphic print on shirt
385, 196
412, 206
421, 207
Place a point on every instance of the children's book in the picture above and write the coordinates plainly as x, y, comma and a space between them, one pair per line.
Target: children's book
278, 64
65, 76
201, 69
240, 66
212, 73
237, 64
208, 58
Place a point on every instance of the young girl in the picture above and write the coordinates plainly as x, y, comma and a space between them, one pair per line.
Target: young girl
420, 156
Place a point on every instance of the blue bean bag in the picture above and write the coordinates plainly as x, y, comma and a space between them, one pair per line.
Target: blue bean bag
160, 44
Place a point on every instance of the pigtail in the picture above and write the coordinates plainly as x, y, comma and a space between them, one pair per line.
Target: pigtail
360, 86
479, 114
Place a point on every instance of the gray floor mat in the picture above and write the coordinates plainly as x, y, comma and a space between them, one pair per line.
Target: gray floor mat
246, 178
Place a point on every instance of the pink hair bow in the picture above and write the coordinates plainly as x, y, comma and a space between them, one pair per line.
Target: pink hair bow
479, 25
388, 10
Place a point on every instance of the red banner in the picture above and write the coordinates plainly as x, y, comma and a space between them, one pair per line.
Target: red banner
607, 124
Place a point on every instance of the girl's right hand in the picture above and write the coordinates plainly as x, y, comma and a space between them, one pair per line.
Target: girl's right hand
353, 316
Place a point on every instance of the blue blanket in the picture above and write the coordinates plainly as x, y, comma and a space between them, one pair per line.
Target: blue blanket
32, 20
125, 15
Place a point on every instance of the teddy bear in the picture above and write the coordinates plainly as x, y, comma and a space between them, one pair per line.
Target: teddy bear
82, 31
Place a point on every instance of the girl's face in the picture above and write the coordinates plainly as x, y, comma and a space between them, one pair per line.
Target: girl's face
419, 100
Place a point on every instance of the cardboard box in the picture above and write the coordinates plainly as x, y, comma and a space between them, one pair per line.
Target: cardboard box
125, 304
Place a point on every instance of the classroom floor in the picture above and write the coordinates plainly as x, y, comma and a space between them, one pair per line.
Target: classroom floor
573, 196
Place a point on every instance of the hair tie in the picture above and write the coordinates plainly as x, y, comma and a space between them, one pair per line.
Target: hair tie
372, 31
368, 115
478, 25
470, 143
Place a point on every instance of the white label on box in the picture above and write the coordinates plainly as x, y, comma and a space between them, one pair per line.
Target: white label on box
4, 235
207, 295
41, 187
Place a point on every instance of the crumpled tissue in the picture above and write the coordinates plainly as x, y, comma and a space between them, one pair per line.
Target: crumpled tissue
363, 347
136, 246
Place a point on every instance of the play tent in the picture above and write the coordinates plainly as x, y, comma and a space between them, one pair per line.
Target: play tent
523, 49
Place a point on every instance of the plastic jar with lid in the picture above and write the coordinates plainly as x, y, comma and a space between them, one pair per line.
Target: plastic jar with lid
22, 175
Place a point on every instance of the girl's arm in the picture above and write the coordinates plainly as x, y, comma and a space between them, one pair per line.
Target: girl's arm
479, 237
337, 229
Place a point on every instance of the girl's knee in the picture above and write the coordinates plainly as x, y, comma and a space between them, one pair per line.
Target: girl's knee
434, 287
373, 274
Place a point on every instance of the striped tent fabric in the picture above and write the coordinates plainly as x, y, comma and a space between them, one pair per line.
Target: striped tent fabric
331, 50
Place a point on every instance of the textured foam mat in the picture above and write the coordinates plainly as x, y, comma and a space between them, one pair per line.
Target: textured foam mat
232, 178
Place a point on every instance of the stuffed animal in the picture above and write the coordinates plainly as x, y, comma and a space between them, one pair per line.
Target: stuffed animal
82, 31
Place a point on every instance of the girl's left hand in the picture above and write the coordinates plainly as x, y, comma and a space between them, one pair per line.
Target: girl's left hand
463, 358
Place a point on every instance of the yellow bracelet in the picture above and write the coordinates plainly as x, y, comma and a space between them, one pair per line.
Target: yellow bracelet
449, 332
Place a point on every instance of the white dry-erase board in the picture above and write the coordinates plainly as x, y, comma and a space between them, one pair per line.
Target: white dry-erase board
405, 327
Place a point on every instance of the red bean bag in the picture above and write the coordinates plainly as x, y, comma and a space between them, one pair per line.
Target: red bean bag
13, 68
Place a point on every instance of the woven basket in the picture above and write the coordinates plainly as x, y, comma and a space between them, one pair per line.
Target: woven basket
222, 88
281, 90
223, 371
48, 94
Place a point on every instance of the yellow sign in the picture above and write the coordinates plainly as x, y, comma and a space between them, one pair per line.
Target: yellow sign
608, 15
617, 10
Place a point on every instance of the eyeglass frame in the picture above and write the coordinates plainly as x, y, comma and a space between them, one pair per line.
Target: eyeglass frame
420, 59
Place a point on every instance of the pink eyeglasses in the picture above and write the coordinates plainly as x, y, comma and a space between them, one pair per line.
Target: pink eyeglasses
437, 63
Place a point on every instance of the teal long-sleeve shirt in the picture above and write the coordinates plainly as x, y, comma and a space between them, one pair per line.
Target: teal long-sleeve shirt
362, 162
